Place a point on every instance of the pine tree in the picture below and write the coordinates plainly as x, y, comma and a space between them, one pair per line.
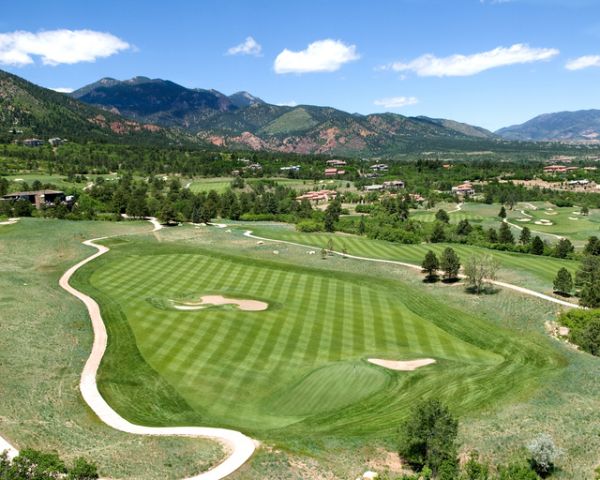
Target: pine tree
505, 235
442, 216
525, 236
563, 248
492, 235
563, 283
592, 247
430, 265
502, 212
450, 264
438, 234
537, 246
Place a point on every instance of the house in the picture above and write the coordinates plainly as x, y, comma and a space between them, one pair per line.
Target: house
316, 196
38, 197
33, 142
393, 185
379, 167
374, 188
463, 189
584, 181
336, 163
416, 197
555, 169
334, 172
55, 142
292, 168
254, 166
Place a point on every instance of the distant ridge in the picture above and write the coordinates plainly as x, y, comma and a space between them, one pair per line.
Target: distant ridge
582, 126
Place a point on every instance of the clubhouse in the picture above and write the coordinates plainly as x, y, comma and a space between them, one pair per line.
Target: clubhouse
38, 198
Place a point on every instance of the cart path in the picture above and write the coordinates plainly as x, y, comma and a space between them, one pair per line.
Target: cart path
509, 286
240, 446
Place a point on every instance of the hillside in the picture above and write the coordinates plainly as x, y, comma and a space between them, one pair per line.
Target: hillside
245, 121
29, 110
582, 126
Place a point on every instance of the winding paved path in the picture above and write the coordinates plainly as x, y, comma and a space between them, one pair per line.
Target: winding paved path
509, 286
241, 446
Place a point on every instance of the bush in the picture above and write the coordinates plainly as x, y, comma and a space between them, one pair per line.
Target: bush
543, 454
307, 226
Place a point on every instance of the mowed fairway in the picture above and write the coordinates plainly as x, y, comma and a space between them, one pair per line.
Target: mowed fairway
529, 271
298, 369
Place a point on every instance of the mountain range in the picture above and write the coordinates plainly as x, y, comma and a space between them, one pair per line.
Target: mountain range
582, 126
242, 120
162, 112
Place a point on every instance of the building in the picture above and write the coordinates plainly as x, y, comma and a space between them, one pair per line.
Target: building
318, 195
334, 172
582, 182
416, 197
464, 189
379, 167
336, 163
254, 166
393, 185
33, 142
559, 169
292, 168
38, 197
55, 142
374, 188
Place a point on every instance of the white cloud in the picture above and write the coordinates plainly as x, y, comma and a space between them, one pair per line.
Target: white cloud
58, 46
583, 62
63, 89
291, 103
463, 65
396, 102
247, 47
320, 56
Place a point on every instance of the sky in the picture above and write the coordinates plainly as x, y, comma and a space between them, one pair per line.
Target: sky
491, 63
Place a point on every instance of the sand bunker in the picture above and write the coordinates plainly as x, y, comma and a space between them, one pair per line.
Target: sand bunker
573, 218
523, 219
550, 212
400, 365
544, 222
212, 300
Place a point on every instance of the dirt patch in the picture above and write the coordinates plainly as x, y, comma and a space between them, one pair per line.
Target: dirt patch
401, 365
210, 300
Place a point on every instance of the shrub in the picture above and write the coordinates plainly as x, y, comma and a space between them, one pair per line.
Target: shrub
307, 226
543, 454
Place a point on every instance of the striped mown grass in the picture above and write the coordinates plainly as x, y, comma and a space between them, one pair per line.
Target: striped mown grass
297, 370
525, 270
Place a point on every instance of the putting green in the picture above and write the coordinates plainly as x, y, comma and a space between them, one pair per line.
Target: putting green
298, 369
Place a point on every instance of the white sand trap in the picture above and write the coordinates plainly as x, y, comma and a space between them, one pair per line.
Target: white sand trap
208, 300
573, 218
523, 219
400, 365
576, 213
544, 222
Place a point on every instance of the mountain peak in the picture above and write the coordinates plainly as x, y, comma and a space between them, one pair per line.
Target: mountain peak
244, 99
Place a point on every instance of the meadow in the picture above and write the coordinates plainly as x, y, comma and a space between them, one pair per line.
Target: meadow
45, 337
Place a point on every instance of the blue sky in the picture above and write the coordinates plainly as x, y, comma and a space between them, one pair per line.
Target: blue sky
490, 63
